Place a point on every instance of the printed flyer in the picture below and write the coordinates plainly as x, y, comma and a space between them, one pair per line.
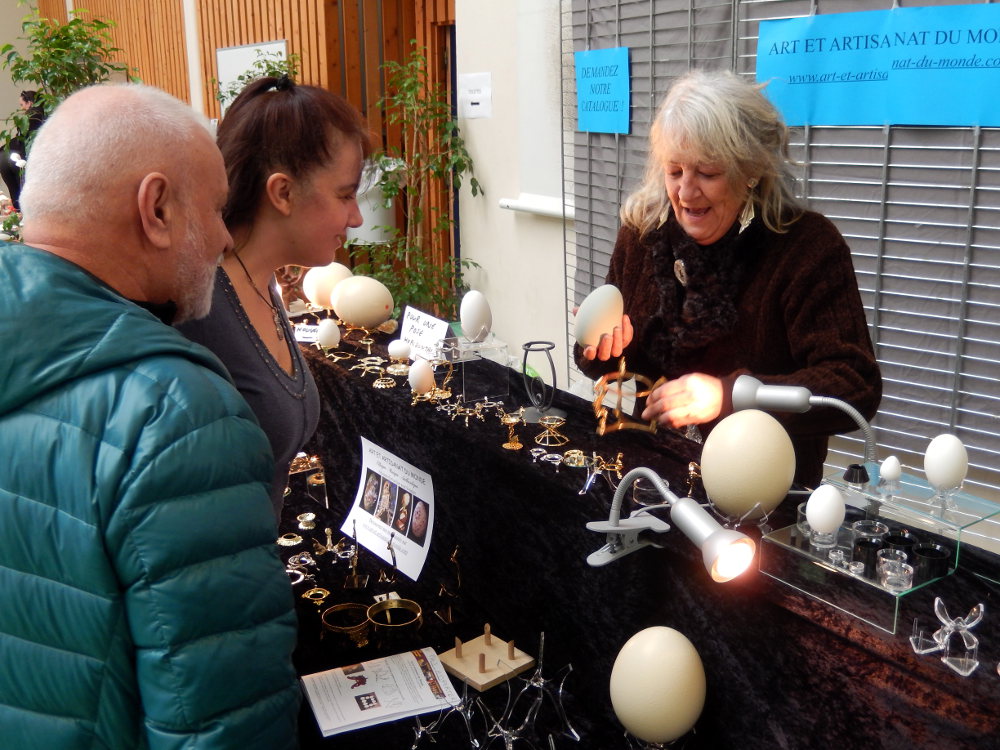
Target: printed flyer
393, 511
372, 692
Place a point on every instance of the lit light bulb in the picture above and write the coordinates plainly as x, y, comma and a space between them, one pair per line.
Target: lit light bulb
733, 560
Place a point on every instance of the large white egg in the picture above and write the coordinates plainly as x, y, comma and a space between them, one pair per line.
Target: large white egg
598, 314
946, 462
319, 283
421, 376
475, 316
398, 349
328, 333
362, 301
890, 470
658, 685
825, 509
747, 459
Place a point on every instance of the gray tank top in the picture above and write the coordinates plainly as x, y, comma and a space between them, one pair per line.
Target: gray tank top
287, 406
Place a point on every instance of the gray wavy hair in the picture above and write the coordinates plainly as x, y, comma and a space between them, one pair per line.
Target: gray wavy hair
718, 117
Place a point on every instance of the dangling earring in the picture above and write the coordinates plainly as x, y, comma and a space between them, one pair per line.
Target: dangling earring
747, 214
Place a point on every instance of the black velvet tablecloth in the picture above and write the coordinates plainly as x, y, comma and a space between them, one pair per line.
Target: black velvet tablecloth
783, 670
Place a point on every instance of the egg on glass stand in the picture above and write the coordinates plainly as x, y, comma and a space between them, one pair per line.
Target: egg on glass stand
747, 464
319, 282
598, 314
475, 316
658, 685
825, 512
946, 462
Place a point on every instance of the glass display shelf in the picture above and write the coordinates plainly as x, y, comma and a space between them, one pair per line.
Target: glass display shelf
788, 556
914, 504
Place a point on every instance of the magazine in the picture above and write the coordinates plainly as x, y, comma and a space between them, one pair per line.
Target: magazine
373, 692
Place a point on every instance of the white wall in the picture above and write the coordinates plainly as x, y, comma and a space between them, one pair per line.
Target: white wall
516, 151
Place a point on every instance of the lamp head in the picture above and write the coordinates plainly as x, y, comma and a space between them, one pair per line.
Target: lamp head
750, 393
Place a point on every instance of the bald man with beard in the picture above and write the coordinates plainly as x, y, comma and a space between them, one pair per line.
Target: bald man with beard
142, 601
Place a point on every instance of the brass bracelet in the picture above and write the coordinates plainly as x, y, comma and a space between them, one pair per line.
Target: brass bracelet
410, 611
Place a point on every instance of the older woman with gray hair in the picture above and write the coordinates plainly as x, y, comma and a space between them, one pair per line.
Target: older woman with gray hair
725, 272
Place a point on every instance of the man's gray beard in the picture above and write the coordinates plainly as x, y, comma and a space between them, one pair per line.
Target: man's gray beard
195, 277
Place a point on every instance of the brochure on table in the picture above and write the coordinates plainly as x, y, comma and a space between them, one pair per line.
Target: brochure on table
394, 505
373, 692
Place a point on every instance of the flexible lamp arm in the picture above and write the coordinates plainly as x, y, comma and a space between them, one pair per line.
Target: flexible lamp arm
866, 429
750, 393
627, 480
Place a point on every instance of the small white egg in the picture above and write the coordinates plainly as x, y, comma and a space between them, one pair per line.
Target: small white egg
328, 333
363, 302
598, 314
421, 377
658, 685
890, 470
825, 509
319, 283
747, 459
475, 316
398, 349
946, 462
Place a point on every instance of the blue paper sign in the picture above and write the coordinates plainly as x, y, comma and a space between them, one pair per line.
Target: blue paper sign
908, 66
602, 90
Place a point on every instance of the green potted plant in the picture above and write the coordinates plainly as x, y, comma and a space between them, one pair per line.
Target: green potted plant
59, 59
433, 155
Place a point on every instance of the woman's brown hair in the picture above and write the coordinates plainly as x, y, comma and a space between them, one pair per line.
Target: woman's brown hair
275, 125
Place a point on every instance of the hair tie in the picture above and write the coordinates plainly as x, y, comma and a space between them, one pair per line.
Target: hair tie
284, 83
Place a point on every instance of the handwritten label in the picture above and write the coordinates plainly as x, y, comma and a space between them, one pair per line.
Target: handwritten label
423, 333
306, 334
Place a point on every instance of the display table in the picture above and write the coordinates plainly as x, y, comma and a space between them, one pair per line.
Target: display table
782, 670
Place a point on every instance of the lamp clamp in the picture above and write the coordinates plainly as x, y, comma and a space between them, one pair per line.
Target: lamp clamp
626, 535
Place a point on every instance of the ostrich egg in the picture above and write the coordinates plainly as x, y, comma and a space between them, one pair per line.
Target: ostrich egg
319, 282
598, 314
362, 301
747, 459
658, 685
475, 316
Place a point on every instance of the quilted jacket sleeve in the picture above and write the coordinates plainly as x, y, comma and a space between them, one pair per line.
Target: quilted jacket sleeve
192, 536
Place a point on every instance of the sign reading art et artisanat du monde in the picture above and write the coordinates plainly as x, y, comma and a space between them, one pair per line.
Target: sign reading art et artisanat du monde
908, 66
602, 90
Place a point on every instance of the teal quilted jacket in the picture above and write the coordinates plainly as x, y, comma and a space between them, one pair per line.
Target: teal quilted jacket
142, 602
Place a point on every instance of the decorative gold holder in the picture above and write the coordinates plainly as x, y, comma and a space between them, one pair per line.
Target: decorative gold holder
366, 339
512, 420
551, 437
317, 596
621, 420
349, 612
370, 366
400, 367
384, 382
443, 392
333, 354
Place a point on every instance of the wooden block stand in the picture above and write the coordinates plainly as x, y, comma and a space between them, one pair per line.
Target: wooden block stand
485, 661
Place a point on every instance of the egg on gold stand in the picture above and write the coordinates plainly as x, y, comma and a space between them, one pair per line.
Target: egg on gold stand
363, 304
